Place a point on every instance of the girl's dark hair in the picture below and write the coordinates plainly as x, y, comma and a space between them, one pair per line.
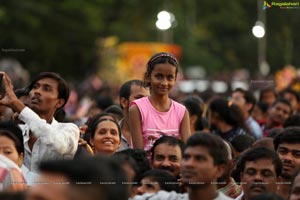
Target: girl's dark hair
159, 58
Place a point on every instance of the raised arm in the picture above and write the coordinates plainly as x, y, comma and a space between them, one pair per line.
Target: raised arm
10, 99
185, 131
64, 138
135, 125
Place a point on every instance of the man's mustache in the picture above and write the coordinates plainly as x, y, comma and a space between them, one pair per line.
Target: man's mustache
171, 169
258, 185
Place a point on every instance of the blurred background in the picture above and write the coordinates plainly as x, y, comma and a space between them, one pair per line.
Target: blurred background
99, 42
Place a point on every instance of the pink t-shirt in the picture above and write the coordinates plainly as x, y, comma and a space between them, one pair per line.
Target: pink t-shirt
156, 124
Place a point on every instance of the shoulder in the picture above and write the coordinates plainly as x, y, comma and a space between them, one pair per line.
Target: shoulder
175, 103
141, 104
162, 195
140, 100
65, 125
222, 196
179, 108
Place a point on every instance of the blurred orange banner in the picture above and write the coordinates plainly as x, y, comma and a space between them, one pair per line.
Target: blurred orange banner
133, 57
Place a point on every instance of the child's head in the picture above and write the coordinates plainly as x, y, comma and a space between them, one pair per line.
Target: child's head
159, 58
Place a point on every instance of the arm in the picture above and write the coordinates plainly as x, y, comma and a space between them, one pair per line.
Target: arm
10, 99
185, 131
63, 137
135, 124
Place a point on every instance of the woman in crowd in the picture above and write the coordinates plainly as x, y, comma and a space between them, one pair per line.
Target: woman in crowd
11, 147
105, 136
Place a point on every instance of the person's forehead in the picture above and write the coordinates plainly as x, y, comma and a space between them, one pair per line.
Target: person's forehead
197, 150
268, 93
135, 88
164, 68
290, 146
261, 164
5, 139
46, 81
165, 148
107, 124
238, 94
289, 94
53, 177
282, 105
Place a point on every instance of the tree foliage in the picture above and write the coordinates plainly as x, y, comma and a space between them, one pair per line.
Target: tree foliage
61, 35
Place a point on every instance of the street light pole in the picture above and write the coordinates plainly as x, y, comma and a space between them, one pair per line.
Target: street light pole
259, 32
164, 24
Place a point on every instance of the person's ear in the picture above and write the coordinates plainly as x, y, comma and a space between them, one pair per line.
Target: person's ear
120, 141
241, 176
193, 119
249, 106
60, 103
20, 159
92, 141
220, 170
147, 78
233, 163
124, 102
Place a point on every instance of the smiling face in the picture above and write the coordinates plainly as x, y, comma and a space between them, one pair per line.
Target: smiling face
162, 78
167, 157
258, 177
107, 138
44, 96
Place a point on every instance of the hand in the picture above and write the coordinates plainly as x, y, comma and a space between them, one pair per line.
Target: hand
10, 99
82, 142
9, 93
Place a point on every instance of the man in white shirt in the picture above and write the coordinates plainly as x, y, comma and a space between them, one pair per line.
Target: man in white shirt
44, 137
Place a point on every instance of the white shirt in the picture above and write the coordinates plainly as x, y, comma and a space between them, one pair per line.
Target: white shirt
240, 197
30, 177
54, 141
163, 195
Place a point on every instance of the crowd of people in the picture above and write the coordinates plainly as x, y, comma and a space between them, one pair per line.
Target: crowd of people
148, 145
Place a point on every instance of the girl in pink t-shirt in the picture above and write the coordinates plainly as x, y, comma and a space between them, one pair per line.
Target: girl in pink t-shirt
157, 115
